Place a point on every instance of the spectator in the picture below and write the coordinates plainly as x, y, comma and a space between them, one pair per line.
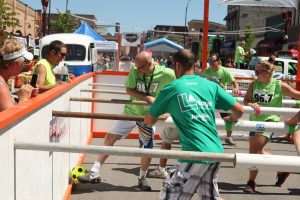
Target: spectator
13, 55
239, 56
196, 126
44, 68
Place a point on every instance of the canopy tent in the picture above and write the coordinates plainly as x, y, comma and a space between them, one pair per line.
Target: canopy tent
267, 3
87, 30
162, 45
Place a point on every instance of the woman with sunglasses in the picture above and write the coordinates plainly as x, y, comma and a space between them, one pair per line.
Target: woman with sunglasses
265, 91
13, 55
44, 67
221, 74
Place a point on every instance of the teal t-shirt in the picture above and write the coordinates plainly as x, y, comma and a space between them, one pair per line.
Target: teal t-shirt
191, 100
223, 75
267, 95
155, 81
237, 57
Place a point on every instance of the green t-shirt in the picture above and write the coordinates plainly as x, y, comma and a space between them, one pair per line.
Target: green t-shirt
237, 57
267, 95
191, 100
156, 80
223, 75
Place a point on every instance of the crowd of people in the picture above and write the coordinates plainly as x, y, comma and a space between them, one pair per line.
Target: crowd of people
172, 89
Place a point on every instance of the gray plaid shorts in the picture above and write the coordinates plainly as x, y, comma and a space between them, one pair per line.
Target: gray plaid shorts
189, 178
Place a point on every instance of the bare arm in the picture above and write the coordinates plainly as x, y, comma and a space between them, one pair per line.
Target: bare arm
149, 119
41, 71
249, 94
237, 112
140, 95
6, 99
289, 91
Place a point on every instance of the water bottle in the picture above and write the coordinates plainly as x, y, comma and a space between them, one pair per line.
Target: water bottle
64, 72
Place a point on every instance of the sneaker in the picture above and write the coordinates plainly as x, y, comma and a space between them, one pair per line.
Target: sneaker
250, 187
90, 177
230, 141
281, 177
143, 184
159, 174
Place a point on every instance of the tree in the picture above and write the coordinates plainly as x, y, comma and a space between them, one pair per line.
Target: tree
64, 23
250, 37
7, 19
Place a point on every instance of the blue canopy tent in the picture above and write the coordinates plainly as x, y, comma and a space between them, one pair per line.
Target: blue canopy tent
162, 46
87, 30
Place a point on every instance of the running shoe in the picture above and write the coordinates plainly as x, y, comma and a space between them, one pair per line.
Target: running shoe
281, 177
159, 174
90, 177
250, 187
143, 184
230, 141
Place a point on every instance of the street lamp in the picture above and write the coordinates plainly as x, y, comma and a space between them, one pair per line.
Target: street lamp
186, 8
67, 3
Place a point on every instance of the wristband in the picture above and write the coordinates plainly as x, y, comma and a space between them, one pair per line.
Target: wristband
291, 129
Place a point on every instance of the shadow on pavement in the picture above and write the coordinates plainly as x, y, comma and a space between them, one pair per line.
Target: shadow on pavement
88, 188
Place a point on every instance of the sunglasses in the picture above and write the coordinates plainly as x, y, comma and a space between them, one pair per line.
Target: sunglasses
211, 61
62, 54
257, 72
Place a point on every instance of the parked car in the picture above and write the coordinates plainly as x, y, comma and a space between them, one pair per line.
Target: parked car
284, 68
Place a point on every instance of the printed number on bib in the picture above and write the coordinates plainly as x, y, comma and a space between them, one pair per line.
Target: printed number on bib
263, 98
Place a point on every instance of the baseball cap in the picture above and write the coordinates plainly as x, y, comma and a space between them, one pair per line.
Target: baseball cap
22, 52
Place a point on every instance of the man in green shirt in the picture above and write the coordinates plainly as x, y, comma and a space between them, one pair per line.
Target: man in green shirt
191, 101
239, 56
144, 82
218, 72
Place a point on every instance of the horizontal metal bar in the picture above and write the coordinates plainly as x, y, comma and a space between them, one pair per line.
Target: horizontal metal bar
126, 151
115, 101
272, 127
103, 91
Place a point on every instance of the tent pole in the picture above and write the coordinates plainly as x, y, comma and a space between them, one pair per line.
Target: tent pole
205, 34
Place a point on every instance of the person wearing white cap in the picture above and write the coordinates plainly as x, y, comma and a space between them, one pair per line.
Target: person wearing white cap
239, 56
13, 55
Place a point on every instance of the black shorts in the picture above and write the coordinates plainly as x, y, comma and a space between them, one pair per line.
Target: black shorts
224, 115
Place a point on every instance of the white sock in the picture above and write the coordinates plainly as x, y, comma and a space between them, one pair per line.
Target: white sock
162, 169
96, 167
142, 173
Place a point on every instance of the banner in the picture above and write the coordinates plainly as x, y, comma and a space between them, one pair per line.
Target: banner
131, 39
267, 3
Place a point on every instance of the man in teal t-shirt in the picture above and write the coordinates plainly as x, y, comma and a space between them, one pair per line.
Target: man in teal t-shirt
218, 72
144, 82
191, 101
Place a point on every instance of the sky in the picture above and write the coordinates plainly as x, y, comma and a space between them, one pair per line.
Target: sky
138, 15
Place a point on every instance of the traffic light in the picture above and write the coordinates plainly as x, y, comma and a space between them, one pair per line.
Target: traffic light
117, 27
148, 37
216, 45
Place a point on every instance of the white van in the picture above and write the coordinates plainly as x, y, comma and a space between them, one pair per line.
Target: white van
81, 54
284, 68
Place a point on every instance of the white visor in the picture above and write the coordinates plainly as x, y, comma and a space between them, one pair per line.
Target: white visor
27, 55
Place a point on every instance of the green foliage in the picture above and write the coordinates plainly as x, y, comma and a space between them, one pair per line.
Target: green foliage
64, 23
7, 19
250, 37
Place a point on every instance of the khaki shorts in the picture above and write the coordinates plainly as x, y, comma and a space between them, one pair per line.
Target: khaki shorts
169, 134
